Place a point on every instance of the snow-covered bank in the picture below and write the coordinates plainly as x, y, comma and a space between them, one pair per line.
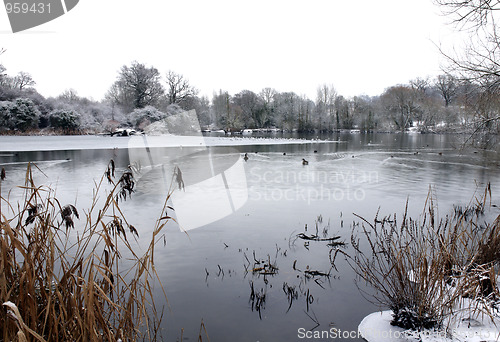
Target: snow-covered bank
83, 142
377, 327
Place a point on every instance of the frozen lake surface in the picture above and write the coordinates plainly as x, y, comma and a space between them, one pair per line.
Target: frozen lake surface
92, 142
240, 215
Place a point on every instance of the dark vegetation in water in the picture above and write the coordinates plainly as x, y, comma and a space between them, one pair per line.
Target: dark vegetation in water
300, 283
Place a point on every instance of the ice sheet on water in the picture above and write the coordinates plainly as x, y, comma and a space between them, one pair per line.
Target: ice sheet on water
93, 142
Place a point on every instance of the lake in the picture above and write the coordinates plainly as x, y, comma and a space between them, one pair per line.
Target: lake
234, 260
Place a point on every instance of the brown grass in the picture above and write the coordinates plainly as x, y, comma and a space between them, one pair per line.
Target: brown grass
62, 274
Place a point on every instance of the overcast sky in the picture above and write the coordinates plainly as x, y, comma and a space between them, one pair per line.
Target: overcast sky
361, 47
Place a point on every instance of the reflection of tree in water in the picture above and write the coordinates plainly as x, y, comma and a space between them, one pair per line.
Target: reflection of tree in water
257, 299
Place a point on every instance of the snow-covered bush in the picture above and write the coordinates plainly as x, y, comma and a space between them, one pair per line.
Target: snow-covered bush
21, 114
64, 119
6, 120
142, 117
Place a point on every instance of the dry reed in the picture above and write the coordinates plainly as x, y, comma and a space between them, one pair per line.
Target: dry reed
64, 279
422, 270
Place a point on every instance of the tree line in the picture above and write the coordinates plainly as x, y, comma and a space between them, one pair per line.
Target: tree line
465, 97
140, 96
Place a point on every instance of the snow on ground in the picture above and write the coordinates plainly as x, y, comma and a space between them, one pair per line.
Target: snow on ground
82, 142
377, 327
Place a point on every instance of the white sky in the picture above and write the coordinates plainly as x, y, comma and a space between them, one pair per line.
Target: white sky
361, 47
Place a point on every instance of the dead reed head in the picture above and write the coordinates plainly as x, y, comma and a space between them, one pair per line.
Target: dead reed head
67, 213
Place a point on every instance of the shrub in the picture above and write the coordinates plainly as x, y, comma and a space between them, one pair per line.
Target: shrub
144, 116
6, 119
65, 119
21, 114
422, 269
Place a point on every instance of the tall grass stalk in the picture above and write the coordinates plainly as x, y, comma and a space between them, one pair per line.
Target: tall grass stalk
2, 177
64, 278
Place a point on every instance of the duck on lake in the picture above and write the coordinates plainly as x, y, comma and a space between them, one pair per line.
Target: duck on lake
245, 157
304, 162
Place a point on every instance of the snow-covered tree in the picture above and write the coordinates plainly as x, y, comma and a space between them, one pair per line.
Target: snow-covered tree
64, 119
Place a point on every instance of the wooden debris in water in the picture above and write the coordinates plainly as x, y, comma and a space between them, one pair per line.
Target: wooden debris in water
316, 238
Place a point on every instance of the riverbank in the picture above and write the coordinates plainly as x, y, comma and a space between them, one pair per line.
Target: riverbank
377, 327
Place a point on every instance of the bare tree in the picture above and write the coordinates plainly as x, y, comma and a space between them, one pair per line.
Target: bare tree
343, 113
479, 62
287, 110
325, 106
69, 96
420, 84
2, 68
225, 112
363, 113
23, 80
447, 87
3, 75
252, 107
268, 96
401, 105
137, 86
306, 109
470, 13
178, 88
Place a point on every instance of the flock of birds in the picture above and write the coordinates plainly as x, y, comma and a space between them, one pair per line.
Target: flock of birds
304, 162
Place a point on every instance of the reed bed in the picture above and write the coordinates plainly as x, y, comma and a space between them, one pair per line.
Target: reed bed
430, 269
63, 276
